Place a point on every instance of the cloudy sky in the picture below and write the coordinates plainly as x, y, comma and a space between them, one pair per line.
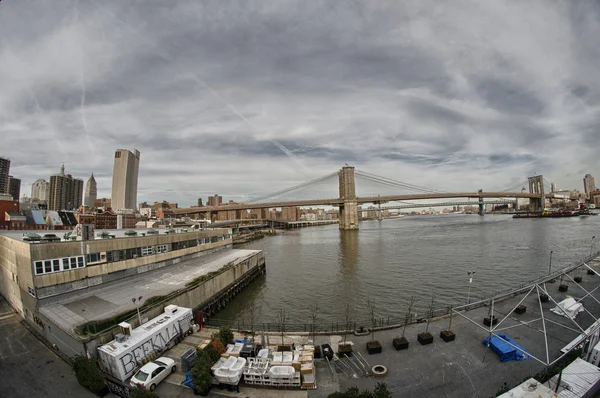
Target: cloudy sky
245, 97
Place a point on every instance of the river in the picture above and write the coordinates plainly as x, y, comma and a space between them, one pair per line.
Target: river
391, 261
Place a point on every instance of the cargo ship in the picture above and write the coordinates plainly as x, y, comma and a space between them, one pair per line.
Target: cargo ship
582, 211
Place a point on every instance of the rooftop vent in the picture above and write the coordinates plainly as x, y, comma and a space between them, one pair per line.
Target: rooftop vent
120, 338
170, 309
125, 328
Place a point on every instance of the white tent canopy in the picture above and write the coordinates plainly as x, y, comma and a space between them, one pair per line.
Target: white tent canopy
568, 308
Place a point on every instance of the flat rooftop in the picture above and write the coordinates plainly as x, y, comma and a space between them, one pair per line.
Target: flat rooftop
118, 233
107, 300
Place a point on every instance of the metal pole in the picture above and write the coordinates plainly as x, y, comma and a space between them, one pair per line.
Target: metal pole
550, 265
592, 245
470, 273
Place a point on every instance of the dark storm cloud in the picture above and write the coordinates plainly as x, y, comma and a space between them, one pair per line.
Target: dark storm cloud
227, 94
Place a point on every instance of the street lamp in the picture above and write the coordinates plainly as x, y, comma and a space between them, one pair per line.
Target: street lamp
550, 265
470, 274
592, 245
137, 302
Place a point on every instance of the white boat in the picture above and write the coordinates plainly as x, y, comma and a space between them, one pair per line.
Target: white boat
231, 371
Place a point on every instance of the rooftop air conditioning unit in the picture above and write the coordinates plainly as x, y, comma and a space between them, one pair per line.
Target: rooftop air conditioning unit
170, 309
125, 328
120, 338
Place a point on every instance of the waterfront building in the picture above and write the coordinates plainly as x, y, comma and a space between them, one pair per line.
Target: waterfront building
40, 189
589, 185
91, 192
14, 187
66, 192
69, 295
125, 179
4, 170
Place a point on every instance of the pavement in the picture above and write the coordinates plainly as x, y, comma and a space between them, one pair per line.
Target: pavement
111, 298
28, 368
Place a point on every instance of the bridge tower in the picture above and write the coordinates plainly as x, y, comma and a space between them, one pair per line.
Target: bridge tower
536, 185
481, 211
349, 209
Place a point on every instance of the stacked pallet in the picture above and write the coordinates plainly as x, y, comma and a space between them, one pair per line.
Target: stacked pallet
307, 367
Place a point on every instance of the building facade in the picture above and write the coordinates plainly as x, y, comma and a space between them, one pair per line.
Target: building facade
66, 192
14, 187
125, 179
91, 192
40, 189
589, 185
215, 200
4, 170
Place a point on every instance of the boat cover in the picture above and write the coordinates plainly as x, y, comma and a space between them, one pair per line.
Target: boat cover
505, 351
569, 308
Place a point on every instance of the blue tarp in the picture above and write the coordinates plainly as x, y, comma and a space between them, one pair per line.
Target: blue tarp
188, 380
505, 351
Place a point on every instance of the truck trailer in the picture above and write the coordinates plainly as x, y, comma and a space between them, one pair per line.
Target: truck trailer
133, 348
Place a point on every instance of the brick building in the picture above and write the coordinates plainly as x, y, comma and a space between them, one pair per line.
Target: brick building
106, 220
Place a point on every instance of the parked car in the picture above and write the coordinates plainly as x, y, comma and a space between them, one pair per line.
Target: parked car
153, 373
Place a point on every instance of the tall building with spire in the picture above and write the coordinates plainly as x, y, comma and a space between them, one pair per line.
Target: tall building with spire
65, 191
125, 179
91, 192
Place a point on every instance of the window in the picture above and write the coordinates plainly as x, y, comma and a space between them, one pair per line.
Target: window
39, 267
65, 262
56, 265
80, 262
47, 266
31, 290
73, 262
147, 251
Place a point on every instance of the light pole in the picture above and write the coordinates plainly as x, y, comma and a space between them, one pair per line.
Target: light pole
550, 265
592, 245
137, 307
470, 274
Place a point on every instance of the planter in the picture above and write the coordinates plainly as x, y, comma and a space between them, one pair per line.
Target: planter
591, 272
104, 391
563, 287
520, 309
203, 393
327, 351
379, 371
578, 279
447, 335
400, 343
425, 338
344, 349
544, 298
490, 322
374, 347
362, 331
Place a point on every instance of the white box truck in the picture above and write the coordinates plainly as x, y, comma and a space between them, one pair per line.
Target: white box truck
132, 348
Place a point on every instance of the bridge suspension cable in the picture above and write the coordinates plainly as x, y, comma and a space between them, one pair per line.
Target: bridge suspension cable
520, 185
296, 187
394, 183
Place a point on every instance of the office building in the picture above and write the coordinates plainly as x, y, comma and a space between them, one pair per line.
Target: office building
214, 200
66, 192
4, 170
40, 189
589, 185
91, 192
125, 179
14, 187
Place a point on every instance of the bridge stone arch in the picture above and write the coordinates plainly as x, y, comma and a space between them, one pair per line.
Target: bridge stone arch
536, 186
349, 208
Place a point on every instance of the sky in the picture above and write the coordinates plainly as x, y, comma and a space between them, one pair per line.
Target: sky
243, 98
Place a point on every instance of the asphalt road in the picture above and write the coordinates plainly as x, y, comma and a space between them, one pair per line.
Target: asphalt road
28, 368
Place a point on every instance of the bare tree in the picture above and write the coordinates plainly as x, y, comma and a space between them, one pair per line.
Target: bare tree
314, 314
348, 320
408, 314
282, 320
252, 315
430, 313
371, 311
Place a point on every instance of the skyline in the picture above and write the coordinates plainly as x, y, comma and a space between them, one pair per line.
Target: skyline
255, 98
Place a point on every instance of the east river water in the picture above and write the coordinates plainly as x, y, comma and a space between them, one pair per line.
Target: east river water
390, 261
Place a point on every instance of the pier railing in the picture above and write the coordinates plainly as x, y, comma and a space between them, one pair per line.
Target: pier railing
324, 326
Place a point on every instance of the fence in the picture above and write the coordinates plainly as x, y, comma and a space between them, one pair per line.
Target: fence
338, 326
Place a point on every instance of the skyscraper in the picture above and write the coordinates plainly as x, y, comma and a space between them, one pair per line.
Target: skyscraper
125, 179
589, 184
40, 189
4, 169
91, 192
65, 191
14, 187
